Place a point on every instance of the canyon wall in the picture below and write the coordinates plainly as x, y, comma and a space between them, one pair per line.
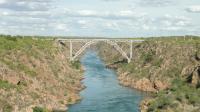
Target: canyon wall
35, 74
169, 68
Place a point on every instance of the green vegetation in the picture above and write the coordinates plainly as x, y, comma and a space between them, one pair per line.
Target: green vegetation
179, 93
5, 106
147, 57
6, 85
76, 64
19, 66
40, 109
178, 40
9, 46
34, 95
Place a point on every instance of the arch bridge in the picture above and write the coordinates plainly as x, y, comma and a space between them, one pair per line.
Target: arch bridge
110, 41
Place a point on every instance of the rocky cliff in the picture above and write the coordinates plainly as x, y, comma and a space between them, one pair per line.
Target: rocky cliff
35, 74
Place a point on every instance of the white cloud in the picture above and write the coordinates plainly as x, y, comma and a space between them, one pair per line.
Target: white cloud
4, 13
170, 20
60, 26
80, 18
83, 22
87, 13
123, 14
149, 3
24, 5
146, 27
2, 1
167, 23
182, 23
111, 25
172, 28
156, 3
194, 9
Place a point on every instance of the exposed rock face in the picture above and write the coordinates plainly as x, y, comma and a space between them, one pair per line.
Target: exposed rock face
160, 85
143, 84
144, 105
195, 79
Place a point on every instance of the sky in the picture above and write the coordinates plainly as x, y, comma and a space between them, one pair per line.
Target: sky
107, 18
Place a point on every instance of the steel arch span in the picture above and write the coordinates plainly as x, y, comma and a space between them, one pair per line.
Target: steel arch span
112, 42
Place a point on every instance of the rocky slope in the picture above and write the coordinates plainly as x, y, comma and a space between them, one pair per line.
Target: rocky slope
35, 74
168, 67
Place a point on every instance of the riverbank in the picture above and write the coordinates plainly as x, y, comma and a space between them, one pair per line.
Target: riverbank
35, 75
167, 67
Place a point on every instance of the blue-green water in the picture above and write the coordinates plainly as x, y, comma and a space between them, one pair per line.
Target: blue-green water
103, 93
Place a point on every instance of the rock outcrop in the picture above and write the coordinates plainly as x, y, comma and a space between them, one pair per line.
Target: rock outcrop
195, 77
143, 84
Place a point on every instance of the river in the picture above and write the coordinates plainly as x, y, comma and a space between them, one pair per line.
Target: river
103, 93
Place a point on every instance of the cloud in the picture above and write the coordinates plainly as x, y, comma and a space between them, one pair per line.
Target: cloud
117, 18
147, 3
193, 9
25, 16
60, 26
82, 22
173, 23
24, 5
156, 3
86, 13
32, 14
170, 20
2, 1
124, 14
111, 0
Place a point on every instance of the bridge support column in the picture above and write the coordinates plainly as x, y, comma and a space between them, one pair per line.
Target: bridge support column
71, 49
131, 49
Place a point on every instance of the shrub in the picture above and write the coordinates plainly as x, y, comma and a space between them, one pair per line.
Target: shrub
6, 85
157, 62
161, 102
16, 65
7, 108
34, 95
40, 109
147, 57
76, 64
11, 38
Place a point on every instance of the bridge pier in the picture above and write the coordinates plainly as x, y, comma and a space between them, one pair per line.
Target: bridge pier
71, 50
131, 49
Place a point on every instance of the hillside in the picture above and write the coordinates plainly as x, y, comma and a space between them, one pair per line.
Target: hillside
169, 68
35, 74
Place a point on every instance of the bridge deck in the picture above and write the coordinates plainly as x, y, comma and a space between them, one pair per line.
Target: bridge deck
100, 39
